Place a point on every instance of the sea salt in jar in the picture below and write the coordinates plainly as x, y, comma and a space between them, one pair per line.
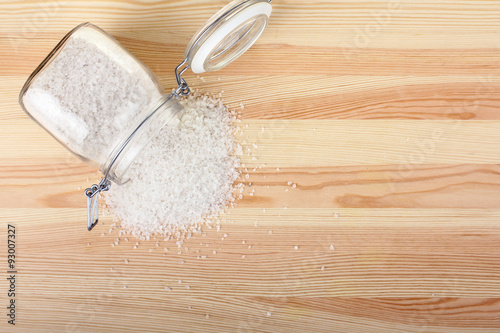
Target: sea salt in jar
91, 94
104, 105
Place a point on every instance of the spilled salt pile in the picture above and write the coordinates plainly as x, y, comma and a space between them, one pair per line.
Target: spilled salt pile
184, 177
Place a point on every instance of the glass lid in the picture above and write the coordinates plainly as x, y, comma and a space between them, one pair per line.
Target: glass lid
227, 35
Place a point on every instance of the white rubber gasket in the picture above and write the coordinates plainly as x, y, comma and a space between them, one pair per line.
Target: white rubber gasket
208, 46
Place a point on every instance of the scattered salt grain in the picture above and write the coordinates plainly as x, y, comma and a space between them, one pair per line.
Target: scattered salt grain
126, 261
296, 247
268, 314
322, 268
332, 247
270, 232
168, 288
336, 215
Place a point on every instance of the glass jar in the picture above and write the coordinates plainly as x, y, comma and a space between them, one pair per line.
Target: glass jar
104, 105
91, 94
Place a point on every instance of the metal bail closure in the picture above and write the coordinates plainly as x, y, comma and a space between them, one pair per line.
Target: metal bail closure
182, 86
92, 194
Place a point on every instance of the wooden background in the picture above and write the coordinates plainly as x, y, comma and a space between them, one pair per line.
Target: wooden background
386, 116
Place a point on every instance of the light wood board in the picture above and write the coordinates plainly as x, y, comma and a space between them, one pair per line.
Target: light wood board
386, 116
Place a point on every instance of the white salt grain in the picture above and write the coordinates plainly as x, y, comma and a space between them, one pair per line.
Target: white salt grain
184, 177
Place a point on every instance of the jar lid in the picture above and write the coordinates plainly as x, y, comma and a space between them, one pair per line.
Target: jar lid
227, 35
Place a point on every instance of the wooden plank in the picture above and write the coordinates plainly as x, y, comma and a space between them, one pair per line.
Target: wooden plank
58, 183
316, 143
290, 314
332, 97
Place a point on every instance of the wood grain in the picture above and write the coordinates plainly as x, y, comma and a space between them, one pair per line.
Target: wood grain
375, 176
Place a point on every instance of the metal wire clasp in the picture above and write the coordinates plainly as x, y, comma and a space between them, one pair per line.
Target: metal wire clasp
182, 86
92, 194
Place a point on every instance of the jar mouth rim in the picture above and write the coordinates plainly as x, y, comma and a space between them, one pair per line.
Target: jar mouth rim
139, 135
